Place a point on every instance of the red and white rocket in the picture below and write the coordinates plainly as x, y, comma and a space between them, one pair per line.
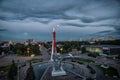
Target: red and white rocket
53, 44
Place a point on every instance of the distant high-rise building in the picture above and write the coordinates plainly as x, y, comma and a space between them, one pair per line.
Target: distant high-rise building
111, 38
31, 41
10, 42
101, 39
26, 43
92, 39
81, 39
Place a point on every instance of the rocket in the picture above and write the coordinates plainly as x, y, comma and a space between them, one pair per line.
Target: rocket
53, 44
54, 41
57, 68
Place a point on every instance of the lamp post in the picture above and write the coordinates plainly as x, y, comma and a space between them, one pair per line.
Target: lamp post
39, 47
28, 51
18, 71
61, 49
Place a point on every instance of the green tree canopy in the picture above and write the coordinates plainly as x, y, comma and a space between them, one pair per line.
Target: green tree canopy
30, 73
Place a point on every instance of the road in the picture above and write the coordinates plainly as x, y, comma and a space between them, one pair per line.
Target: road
8, 59
99, 73
45, 54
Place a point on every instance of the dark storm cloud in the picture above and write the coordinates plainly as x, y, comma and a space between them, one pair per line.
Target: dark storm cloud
73, 24
87, 19
107, 31
55, 9
23, 9
89, 13
117, 29
93, 25
3, 30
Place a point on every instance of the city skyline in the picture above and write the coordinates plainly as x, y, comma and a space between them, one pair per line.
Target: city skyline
22, 20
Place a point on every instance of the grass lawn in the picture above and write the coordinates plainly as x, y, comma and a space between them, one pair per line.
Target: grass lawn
79, 60
84, 60
5, 68
110, 71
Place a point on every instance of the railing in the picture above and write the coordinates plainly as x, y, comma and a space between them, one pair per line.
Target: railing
43, 76
83, 78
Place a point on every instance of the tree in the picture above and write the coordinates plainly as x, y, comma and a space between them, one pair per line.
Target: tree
12, 73
30, 73
83, 50
35, 49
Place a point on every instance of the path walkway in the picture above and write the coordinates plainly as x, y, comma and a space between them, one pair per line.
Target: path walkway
45, 54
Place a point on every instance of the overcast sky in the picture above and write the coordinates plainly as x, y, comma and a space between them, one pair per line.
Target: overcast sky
24, 19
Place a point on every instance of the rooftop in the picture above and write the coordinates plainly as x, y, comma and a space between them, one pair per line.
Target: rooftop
109, 46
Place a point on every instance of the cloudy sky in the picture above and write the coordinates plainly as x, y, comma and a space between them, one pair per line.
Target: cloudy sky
23, 19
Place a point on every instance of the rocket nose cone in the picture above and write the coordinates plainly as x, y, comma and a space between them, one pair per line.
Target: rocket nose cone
53, 29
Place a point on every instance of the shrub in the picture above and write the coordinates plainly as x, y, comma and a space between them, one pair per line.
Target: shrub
30, 73
12, 71
92, 71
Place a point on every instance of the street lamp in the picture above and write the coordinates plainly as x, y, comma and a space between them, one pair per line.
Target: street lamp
18, 71
61, 49
39, 47
28, 51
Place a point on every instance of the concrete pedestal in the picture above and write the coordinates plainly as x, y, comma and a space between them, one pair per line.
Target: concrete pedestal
59, 72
